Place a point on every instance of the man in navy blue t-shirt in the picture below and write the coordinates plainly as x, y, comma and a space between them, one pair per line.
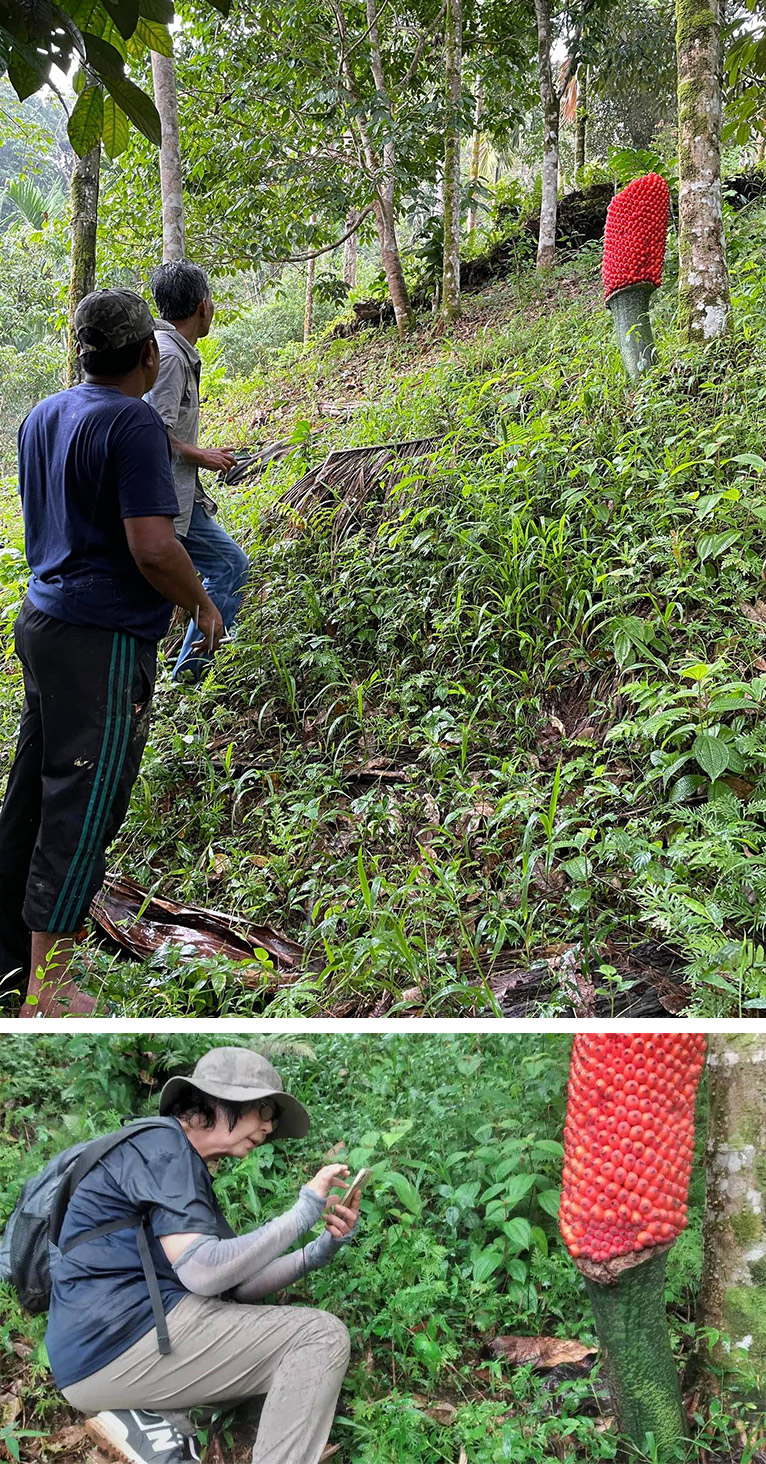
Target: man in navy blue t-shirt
106, 567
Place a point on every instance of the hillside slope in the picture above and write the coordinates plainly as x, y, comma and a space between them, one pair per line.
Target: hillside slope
501, 749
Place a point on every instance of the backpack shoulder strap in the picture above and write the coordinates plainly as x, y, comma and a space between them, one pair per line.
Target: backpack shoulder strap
89, 1157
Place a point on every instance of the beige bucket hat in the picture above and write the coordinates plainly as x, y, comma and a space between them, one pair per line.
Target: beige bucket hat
242, 1076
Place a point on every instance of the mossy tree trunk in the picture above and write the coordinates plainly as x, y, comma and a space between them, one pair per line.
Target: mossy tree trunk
82, 269
171, 172
453, 56
581, 126
732, 1296
703, 283
475, 152
550, 97
381, 167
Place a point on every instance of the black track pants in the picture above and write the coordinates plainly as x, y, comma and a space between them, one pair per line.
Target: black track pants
84, 726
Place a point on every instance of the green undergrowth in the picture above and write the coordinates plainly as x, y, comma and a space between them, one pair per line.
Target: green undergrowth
458, 1246
517, 717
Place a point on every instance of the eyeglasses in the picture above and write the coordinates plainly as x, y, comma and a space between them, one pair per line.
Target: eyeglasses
268, 1111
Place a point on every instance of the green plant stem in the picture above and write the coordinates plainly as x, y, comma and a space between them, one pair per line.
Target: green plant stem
630, 313
632, 1327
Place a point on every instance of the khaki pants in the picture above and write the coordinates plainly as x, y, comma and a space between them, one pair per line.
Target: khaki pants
222, 1352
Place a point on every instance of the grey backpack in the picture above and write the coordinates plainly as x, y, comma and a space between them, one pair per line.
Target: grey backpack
30, 1239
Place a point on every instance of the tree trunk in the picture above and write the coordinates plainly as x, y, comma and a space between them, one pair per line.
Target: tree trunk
308, 314
350, 251
551, 101
382, 174
475, 153
732, 1297
582, 123
703, 283
453, 56
171, 173
82, 269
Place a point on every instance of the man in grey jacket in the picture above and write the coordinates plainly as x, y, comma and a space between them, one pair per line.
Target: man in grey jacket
225, 1342
183, 299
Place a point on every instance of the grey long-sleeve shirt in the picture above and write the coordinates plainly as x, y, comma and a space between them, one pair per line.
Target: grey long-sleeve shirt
254, 1265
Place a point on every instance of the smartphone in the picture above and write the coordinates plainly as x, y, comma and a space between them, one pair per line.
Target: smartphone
358, 1183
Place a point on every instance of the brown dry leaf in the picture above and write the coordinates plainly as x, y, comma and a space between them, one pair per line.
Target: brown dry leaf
755, 613
23, 1350
542, 1351
328, 1452
440, 1411
10, 1408
67, 1440
462, 1457
413, 996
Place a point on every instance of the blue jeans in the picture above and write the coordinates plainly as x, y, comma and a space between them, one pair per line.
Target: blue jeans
223, 568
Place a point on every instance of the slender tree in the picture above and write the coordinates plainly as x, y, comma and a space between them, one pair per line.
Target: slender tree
551, 93
453, 57
171, 173
703, 283
350, 251
82, 272
581, 123
732, 1298
475, 152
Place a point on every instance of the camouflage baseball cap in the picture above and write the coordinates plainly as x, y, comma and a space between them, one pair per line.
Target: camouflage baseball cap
107, 320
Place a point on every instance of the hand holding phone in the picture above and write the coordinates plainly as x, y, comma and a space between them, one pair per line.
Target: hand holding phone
342, 1211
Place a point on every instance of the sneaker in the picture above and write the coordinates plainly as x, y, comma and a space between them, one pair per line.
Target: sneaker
132, 1436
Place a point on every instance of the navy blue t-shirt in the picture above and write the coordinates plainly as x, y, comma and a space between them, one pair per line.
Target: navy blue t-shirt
99, 1298
90, 457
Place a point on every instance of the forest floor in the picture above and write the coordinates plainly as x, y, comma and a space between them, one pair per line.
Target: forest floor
490, 741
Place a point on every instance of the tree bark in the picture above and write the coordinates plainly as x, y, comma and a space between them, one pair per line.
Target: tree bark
308, 314
475, 153
453, 58
582, 123
382, 172
350, 251
82, 269
703, 285
732, 1297
551, 102
171, 172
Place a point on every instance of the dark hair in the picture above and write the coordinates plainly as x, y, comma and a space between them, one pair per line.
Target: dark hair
179, 289
115, 363
190, 1103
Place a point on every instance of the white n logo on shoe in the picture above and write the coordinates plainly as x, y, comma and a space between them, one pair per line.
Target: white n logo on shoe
162, 1437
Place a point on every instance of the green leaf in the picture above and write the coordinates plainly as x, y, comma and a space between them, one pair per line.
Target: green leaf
487, 1262
87, 120
517, 1186
712, 546
518, 1232
159, 10
548, 1146
104, 57
154, 36
24, 78
124, 13
138, 106
116, 133
711, 753
550, 1200
405, 1191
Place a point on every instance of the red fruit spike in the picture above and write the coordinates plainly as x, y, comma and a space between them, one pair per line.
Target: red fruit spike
594, 1222
635, 235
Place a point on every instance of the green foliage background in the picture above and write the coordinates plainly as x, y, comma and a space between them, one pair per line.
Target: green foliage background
459, 1239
